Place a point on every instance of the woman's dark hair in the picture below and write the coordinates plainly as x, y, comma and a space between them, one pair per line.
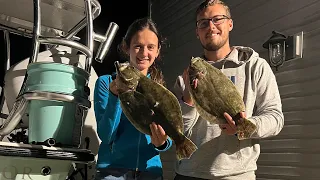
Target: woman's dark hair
136, 26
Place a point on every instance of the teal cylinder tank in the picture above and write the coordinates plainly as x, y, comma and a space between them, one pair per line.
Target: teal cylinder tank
52, 119
56, 77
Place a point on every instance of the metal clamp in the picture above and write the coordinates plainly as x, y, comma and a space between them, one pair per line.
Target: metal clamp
56, 97
106, 41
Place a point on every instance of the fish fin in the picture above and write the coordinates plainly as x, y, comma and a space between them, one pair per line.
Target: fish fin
245, 128
185, 149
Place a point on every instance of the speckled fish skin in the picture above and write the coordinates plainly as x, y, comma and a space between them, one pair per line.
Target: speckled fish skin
147, 102
213, 94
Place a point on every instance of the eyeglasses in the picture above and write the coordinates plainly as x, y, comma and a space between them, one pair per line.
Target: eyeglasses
216, 20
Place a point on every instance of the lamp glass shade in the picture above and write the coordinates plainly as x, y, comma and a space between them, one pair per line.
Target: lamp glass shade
276, 53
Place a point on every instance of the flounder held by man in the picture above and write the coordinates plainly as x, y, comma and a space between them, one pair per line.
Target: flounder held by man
146, 101
213, 94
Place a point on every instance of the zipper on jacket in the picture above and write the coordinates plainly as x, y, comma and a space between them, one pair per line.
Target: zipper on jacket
112, 142
138, 156
111, 146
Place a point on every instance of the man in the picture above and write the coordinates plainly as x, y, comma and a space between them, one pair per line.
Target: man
221, 155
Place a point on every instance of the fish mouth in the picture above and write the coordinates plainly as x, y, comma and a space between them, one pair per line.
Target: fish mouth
192, 66
119, 68
194, 70
117, 65
194, 60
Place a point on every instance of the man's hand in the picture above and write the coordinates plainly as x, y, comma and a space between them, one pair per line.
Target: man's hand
230, 128
186, 94
158, 135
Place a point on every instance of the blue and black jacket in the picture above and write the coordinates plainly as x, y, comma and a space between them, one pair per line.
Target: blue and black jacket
122, 146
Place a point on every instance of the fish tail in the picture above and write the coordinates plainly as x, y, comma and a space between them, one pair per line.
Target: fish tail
185, 149
245, 129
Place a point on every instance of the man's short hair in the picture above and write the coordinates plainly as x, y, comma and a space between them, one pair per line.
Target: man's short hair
207, 3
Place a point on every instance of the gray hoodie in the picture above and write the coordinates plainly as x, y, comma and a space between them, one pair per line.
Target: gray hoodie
222, 156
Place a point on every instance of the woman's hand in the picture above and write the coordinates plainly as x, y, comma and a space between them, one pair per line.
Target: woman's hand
116, 86
113, 88
158, 135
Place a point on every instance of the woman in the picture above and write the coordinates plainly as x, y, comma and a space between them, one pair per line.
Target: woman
125, 153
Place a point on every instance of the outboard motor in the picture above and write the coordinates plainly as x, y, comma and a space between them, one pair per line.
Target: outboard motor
50, 131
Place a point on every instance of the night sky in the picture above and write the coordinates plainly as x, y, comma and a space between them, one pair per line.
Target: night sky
122, 13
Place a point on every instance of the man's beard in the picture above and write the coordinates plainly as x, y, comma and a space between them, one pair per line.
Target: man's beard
212, 46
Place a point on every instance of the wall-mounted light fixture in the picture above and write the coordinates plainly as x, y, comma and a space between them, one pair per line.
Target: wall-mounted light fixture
282, 48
